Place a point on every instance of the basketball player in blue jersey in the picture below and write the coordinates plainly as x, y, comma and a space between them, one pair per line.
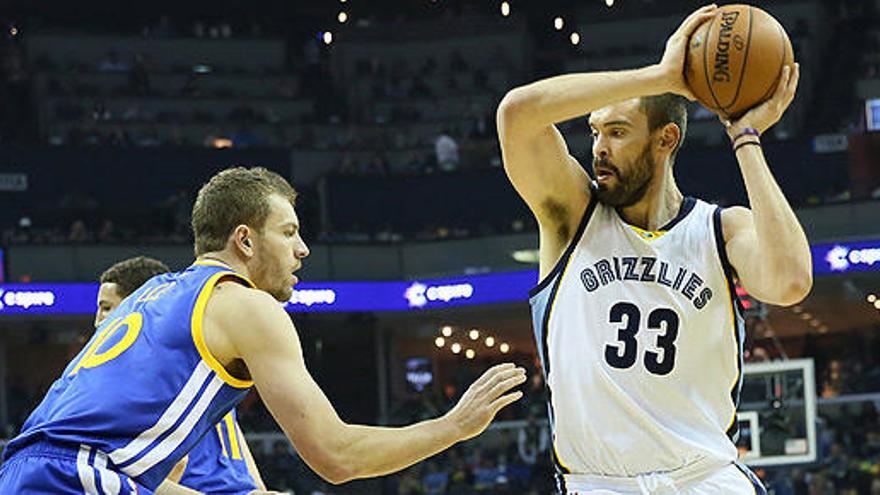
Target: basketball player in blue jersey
181, 351
636, 319
221, 462
123, 278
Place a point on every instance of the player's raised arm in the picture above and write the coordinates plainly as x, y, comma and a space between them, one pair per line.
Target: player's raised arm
262, 336
535, 155
766, 246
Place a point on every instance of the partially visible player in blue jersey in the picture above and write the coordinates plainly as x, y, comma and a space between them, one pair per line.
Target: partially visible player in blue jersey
181, 351
123, 278
221, 462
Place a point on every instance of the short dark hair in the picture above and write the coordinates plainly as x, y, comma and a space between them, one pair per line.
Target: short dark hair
233, 197
130, 274
664, 109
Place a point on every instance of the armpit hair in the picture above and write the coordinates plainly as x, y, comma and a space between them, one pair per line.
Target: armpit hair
559, 214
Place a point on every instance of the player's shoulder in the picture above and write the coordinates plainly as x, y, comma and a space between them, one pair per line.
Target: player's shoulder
235, 304
734, 219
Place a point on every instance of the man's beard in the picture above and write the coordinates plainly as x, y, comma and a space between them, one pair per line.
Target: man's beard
267, 278
631, 187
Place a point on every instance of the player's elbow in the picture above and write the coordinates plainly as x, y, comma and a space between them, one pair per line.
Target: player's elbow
335, 469
338, 475
797, 287
512, 109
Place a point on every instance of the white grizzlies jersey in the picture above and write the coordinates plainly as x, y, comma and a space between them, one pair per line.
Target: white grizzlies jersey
640, 335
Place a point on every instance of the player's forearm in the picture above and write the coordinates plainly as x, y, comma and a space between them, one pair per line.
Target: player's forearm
370, 451
560, 98
783, 250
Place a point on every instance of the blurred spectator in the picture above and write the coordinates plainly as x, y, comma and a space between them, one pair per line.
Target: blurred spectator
112, 63
78, 232
834, 381
198, 29
139, 78
379, 165
16, 117
446, 149
161, 29
107, 233
410, 483
434, 481
178, 209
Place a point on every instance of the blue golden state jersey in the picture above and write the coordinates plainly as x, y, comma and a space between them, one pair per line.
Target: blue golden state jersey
145, 389
217, 463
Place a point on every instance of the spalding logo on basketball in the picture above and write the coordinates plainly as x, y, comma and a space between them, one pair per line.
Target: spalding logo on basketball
735, 59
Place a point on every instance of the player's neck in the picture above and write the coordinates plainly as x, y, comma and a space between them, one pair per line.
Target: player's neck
659, 206
228, 260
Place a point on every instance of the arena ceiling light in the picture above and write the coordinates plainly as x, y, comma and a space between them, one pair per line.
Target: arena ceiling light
222, 143
505, 9
342, 17
575, 38
558, 23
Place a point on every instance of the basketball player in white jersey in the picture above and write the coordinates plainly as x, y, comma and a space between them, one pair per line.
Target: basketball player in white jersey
636, 318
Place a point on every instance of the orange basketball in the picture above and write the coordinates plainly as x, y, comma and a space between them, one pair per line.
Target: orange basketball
734, 60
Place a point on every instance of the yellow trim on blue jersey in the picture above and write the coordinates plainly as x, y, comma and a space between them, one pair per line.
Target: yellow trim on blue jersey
198, 315
211, 262
548, 316
233, 436
648, 235
222, 443
207, 262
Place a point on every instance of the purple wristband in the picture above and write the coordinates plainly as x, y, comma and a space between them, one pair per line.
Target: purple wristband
748, 131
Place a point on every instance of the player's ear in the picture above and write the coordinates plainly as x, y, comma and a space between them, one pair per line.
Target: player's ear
242, 237
670, 135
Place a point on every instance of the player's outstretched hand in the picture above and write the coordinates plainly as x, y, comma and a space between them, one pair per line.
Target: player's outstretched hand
764, 115
484, 398
672, 64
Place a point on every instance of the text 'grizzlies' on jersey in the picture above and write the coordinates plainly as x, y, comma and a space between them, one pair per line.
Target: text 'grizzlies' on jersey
640, 337
145, 388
